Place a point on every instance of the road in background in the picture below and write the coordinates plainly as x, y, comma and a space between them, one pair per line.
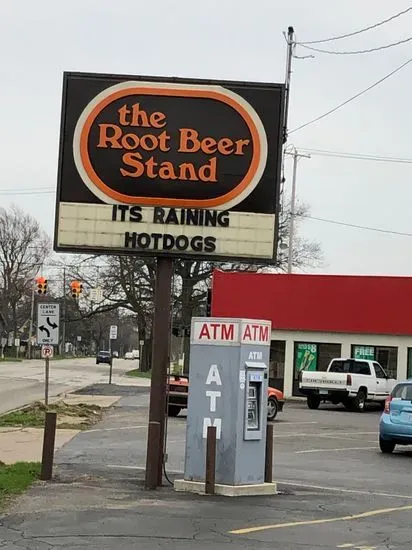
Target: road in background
22, 383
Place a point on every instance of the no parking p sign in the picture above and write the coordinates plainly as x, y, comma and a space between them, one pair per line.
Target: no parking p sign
47, 352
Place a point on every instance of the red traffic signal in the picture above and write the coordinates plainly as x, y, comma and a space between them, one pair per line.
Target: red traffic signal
76, 289
41, 285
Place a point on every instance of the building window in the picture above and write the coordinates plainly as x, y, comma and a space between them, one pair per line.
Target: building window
310, 356
327, 352
409, 366
388, 358
363, 352
384, 355
277, 364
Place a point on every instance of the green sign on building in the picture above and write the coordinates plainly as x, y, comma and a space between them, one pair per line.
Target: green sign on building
306, 358
364, 352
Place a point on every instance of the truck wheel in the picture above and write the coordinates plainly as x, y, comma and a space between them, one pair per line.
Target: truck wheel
313, 401
359, 402
173, 410
387, 447
272, 408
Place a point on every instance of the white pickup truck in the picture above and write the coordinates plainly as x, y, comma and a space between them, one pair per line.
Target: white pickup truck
352, 382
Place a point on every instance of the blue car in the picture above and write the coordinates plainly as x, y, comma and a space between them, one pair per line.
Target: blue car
395, 427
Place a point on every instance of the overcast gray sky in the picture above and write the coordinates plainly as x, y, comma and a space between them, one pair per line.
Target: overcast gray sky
232, 39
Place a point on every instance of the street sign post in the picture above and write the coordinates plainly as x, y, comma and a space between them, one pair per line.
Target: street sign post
112, 336
17, 346
48, 321
46, 353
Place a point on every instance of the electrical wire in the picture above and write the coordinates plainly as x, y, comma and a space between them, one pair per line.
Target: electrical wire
356, 156
355, 226
40, 191
340, 37
356, 52
352, 98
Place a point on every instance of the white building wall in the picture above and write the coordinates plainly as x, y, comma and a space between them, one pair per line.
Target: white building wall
346, 341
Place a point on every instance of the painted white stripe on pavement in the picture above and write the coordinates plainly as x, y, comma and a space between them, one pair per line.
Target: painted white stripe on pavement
341, 489
333, 450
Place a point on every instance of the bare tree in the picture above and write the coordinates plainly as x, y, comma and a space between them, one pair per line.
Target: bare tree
23, 249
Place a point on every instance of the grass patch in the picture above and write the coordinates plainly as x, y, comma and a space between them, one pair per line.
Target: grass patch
139, 374
79, 416
10, 360
16, 478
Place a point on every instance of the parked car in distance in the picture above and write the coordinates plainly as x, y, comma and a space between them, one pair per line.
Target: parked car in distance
104, 357
395, 426
178, 387
128, 355
352, 382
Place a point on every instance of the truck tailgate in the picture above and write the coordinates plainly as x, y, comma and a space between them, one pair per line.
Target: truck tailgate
324, 380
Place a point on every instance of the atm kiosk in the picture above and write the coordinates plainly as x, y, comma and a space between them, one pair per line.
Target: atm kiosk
228, 374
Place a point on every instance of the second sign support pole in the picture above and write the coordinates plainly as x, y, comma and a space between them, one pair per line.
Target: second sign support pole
160, 361
46, 381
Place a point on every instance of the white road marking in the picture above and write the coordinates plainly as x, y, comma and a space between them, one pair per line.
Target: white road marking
342, 490
298, 423
333, 450
335, 436
116, 429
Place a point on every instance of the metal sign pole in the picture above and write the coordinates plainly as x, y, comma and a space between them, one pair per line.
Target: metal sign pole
160, 360
46, 381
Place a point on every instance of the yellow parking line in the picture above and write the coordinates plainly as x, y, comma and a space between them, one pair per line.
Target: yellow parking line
369, 514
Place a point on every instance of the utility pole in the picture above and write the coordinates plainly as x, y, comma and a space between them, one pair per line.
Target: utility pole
290, 40
63, 350
296, 156
29, 344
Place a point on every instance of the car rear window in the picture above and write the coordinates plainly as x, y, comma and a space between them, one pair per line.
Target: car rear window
402, 391
352, 367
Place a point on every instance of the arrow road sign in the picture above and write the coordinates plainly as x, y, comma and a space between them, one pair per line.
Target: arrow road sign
48, 320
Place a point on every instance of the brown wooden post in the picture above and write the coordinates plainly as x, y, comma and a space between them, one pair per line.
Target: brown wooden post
269, 454
210, 473
48, 446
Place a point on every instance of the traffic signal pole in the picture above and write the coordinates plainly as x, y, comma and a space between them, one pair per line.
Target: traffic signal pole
29, 346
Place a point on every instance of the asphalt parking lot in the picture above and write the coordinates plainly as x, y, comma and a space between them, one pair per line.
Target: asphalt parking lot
336, 490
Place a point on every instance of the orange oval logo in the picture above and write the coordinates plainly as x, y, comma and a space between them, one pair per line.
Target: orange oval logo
175, 145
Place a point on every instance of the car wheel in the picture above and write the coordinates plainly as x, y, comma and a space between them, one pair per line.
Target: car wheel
173, 410
97, 362
272, 408
313, 401
386, 446
359, 402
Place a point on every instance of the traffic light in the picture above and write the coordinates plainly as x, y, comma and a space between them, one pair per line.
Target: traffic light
41, 284
76, 288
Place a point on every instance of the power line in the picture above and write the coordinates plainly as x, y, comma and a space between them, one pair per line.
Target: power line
352, 98
355, 226
41, 191
340, 37
356, 156
356, 52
